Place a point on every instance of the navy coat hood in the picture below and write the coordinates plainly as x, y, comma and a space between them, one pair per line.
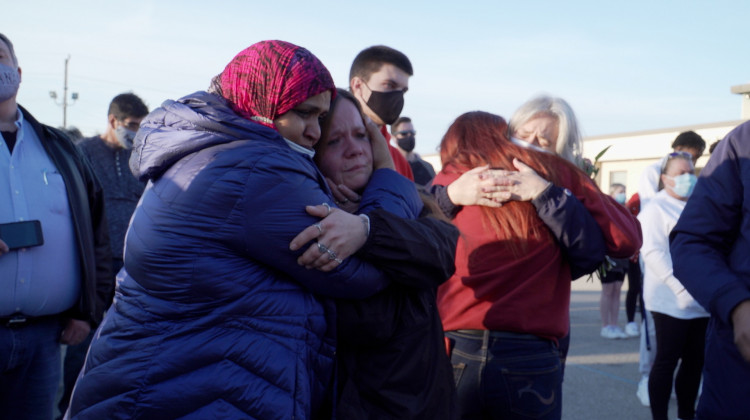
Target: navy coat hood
187, 125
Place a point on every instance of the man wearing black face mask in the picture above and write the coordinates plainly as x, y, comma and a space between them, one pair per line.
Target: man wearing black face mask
109, 154
378, 78
403, 131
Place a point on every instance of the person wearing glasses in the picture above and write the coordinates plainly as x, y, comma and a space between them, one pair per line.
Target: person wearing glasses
405, 134
680, 321
687, 141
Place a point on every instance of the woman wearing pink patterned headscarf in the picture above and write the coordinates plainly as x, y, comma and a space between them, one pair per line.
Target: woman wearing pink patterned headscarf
213, 317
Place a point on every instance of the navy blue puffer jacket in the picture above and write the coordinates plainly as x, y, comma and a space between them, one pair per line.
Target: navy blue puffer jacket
213, 317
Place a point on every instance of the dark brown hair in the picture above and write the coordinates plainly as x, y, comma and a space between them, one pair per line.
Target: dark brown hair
371, 59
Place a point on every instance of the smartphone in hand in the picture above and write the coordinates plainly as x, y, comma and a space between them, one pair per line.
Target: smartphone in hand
22, 234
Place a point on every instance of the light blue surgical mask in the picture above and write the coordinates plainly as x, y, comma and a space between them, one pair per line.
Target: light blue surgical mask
620, 198
683, 184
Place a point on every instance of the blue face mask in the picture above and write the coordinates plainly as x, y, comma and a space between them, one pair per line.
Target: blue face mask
683, 184
620, 198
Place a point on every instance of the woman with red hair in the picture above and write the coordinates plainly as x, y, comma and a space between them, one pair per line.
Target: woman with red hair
507, 305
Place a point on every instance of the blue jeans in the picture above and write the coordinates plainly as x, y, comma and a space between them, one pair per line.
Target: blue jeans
502, 375
29, 369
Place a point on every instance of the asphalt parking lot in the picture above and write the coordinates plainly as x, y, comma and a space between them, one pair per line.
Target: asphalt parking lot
601, 375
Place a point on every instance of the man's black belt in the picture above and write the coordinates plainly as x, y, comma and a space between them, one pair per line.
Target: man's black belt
17, 321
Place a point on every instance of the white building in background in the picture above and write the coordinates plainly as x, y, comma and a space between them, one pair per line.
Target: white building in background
630, 153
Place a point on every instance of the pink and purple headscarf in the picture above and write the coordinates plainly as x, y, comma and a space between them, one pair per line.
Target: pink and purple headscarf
270, 78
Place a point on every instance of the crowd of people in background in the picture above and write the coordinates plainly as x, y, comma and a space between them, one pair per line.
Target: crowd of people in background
269, 248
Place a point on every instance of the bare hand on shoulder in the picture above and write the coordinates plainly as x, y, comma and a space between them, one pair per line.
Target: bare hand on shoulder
478, 187
346, 199
492, 187
741, 322
339, 235
381, 155
526, 185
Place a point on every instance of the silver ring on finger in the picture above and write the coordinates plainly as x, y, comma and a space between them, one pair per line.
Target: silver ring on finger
331, 255
344, 201
320, 229
322, 248
338, 260
328, 207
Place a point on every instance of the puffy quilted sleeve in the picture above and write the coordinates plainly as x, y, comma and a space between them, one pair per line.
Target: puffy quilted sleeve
278, 189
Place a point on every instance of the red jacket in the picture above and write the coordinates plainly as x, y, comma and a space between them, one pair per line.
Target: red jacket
493, 289
399, 161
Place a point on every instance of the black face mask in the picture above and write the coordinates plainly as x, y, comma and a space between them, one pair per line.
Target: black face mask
386, 105
406, 143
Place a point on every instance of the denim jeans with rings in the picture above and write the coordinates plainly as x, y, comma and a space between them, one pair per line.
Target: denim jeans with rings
502, 375
29, 369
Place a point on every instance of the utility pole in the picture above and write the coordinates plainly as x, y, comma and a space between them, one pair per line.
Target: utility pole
74, 96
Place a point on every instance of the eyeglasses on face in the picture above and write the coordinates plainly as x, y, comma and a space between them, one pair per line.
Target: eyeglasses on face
678, 154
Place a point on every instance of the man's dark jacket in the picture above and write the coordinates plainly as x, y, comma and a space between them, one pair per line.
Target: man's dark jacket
86, 202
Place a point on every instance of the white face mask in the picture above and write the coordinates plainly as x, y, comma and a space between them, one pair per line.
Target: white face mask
9, 81
519, 142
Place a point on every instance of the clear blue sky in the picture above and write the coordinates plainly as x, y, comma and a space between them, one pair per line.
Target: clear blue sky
623, 66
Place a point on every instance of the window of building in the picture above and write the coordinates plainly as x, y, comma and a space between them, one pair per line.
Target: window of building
618, 177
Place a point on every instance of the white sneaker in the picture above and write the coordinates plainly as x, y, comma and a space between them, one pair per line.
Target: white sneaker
631, 329
642, 392
618, 332
612, 332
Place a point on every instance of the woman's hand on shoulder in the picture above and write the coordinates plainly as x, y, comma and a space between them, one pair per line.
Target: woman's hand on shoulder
346, 199
338, 236
527, 184
381, 155
479, 187
741, 322
492, 187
